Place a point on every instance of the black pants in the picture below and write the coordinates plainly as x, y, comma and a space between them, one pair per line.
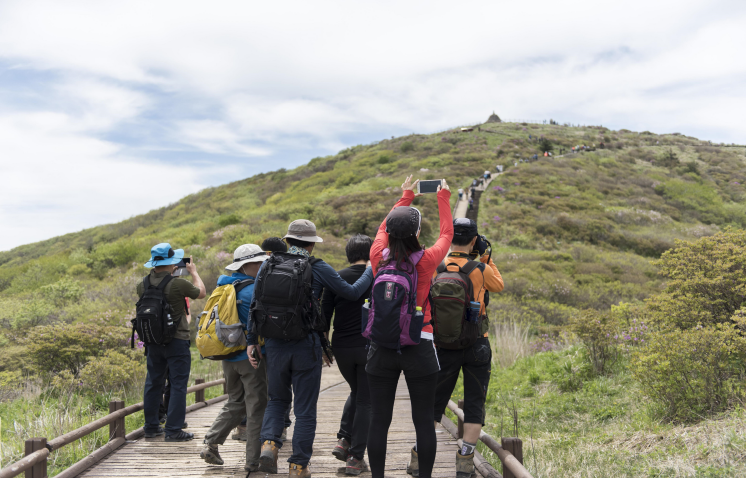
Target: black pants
421, 395
163, 409
476, 362
356, 414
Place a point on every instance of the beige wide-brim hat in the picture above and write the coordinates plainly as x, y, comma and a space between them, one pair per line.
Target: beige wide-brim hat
303, 230
245, 254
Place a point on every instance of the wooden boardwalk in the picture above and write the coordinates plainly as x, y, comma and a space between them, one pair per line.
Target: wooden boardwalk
156, 458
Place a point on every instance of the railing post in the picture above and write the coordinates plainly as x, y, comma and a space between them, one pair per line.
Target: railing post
515, 447
40, 469
116, 428
199, 395
460, 421
225, 386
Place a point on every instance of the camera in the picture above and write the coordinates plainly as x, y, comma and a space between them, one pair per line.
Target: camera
480, 247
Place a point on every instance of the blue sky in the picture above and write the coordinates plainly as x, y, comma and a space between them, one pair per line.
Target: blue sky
110, 109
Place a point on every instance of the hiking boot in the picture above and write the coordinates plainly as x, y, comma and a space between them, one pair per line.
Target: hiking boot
342, 450
251, 467
240, 433
210, 454
464, 465
158, 432
268, 458
298, 471
413, 467
184, 426
355, 466
180, 436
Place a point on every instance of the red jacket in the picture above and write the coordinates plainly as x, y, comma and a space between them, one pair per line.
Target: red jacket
432, 256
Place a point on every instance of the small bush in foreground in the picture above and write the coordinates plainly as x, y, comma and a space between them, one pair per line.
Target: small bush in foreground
599, 333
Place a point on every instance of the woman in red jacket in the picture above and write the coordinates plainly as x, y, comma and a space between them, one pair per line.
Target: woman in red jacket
399, 234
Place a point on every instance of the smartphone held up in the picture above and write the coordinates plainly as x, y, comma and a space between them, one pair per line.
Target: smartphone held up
429, 186
181, 267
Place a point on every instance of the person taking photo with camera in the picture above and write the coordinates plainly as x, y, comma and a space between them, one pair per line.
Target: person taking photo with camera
461, 331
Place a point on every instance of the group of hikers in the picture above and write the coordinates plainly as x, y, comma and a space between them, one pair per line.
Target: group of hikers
398, 308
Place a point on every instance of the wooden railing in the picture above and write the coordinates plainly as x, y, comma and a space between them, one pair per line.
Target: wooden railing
510, 451
38, 449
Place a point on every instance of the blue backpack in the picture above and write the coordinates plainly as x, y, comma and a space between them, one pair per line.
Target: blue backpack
393, 320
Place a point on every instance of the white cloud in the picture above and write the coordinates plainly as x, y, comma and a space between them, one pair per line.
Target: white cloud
116, 83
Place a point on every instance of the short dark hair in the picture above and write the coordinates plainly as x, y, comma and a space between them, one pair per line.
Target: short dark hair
274, 244
462, 240
358, 248
297, 243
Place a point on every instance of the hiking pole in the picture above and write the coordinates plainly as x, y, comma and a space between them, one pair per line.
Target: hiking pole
325, 347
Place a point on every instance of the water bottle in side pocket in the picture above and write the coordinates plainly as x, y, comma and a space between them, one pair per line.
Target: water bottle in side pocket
474, 309
364, 316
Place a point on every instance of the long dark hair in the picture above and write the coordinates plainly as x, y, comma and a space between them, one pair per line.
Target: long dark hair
400, 250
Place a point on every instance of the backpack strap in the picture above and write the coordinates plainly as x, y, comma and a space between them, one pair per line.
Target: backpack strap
240, 285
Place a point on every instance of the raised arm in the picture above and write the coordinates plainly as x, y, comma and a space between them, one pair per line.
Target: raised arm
435, 255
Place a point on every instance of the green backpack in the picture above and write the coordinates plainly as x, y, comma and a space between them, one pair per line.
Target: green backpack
450, 295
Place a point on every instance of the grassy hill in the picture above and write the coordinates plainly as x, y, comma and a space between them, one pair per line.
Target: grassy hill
569, 233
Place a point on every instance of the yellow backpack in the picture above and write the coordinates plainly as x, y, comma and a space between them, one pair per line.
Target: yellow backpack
221, 334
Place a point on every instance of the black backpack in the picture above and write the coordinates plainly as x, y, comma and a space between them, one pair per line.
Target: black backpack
154, 321
284, 306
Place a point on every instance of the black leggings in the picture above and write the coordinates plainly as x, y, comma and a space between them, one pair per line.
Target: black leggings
422, 398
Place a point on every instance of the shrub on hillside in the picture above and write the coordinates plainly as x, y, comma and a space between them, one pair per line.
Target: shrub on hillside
693, 364
63, 292
694, 373
52, 349
406, 147
599, 333
114, 370
228, 220
705, 281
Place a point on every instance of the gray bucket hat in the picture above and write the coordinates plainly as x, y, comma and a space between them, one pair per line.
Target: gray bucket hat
303, 230
245, 254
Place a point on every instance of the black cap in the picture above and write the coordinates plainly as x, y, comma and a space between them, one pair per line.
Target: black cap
403, 222
464, 227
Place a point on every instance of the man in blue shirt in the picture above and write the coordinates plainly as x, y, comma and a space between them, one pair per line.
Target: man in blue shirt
246, 385
294, 366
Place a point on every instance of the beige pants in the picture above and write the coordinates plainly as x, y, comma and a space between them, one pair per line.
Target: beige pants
247, 396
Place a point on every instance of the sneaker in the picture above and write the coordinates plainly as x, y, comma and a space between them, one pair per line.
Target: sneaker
240, 433
355, 466
413, 467
464, 465
158, 432
184, 425
180, 436
342, 450
298, 471
268, 457
210, 455
251, 467
162, 420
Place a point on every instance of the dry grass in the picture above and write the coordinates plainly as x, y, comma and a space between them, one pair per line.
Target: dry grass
510, 341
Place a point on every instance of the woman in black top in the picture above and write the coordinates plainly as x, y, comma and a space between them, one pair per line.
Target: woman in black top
349, 348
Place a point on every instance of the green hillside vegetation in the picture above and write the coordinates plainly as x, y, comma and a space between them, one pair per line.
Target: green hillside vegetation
573, 236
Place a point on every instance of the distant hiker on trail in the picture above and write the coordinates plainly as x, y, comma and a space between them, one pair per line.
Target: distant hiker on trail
461, 347
400, 260
460, 194
286, 312
162, 325
471, 203
487, 175
246, 385
350, 350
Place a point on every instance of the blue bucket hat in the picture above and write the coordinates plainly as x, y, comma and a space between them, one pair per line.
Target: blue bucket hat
164, 255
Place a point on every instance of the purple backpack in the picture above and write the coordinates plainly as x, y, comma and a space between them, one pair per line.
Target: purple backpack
392, 318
